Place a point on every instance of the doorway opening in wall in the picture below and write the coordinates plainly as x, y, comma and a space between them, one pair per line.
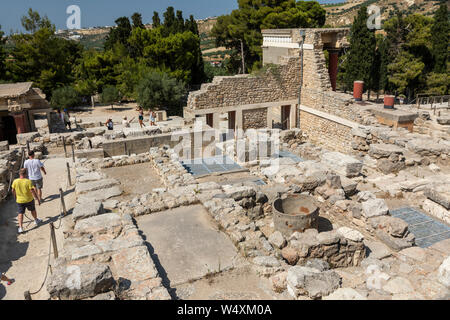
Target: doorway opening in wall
9, 129
209, 120
285, 117
39, 119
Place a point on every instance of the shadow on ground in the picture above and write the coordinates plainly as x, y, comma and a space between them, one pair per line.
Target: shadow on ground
161, 271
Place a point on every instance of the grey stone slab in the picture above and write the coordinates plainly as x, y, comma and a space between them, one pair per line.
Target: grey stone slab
187, 244
87, 209
86, 187
100, 195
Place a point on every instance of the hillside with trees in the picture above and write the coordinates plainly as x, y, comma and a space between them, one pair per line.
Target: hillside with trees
410, 59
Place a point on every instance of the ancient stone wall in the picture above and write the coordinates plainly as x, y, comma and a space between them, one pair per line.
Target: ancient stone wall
276, 84
255, 119
329, 134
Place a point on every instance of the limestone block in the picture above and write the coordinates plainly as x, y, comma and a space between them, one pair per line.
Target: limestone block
342, 164
72, 282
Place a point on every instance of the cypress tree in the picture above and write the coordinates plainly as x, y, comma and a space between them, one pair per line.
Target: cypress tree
362, 50
156, 22
383, 50
180, 22
137, 20
439, 39
169, 21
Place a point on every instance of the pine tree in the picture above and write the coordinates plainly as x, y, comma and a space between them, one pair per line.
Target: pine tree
439, 38
362, 50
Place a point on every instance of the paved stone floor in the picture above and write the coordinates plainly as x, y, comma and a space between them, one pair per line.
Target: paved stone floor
185, 244
135, 179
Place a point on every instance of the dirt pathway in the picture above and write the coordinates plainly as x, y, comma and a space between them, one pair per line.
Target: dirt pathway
24, 257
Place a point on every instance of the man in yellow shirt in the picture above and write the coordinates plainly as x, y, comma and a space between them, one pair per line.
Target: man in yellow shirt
24, 191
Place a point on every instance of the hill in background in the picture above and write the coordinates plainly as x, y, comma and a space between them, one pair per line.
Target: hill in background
342, 14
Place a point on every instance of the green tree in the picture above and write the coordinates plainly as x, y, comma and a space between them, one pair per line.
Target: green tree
169, 21
438, 83
44, 59
362, 51
158, 90
404, 73
119, 34
136, 18
156, 22
2, 55
65, 97
385, 60
34, 21
440, 39
179, 22
245, 24
178, 54
110, 95
191, 25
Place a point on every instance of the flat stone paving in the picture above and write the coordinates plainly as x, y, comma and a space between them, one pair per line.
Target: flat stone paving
135, 179
186, 243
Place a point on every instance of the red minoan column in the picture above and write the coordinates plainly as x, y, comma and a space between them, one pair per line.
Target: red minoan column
333, 67
19, 119
358, 87
389, 102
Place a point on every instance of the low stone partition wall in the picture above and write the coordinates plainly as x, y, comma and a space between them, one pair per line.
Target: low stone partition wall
176, 139
104, 257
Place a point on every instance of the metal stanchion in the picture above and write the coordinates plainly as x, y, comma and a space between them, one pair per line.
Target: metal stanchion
68, 174
28, 147
63, 204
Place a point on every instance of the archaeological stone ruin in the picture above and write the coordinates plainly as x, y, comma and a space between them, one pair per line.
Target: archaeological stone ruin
271, 186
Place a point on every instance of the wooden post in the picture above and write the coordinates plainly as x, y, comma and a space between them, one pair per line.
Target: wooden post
63, 204
53, 236
73, 153
64, 144
68, 174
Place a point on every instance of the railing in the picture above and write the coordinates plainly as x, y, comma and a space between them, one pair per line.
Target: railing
431, 100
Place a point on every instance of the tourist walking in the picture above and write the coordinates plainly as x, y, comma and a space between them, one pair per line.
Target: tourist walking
141, 117
67, 119
152, 118
24, 193
60, 115
109, 124
3, 277
34, 168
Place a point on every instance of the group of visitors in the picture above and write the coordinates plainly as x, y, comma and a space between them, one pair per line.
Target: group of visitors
126, 123
141, 117
65, 118
26, 189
